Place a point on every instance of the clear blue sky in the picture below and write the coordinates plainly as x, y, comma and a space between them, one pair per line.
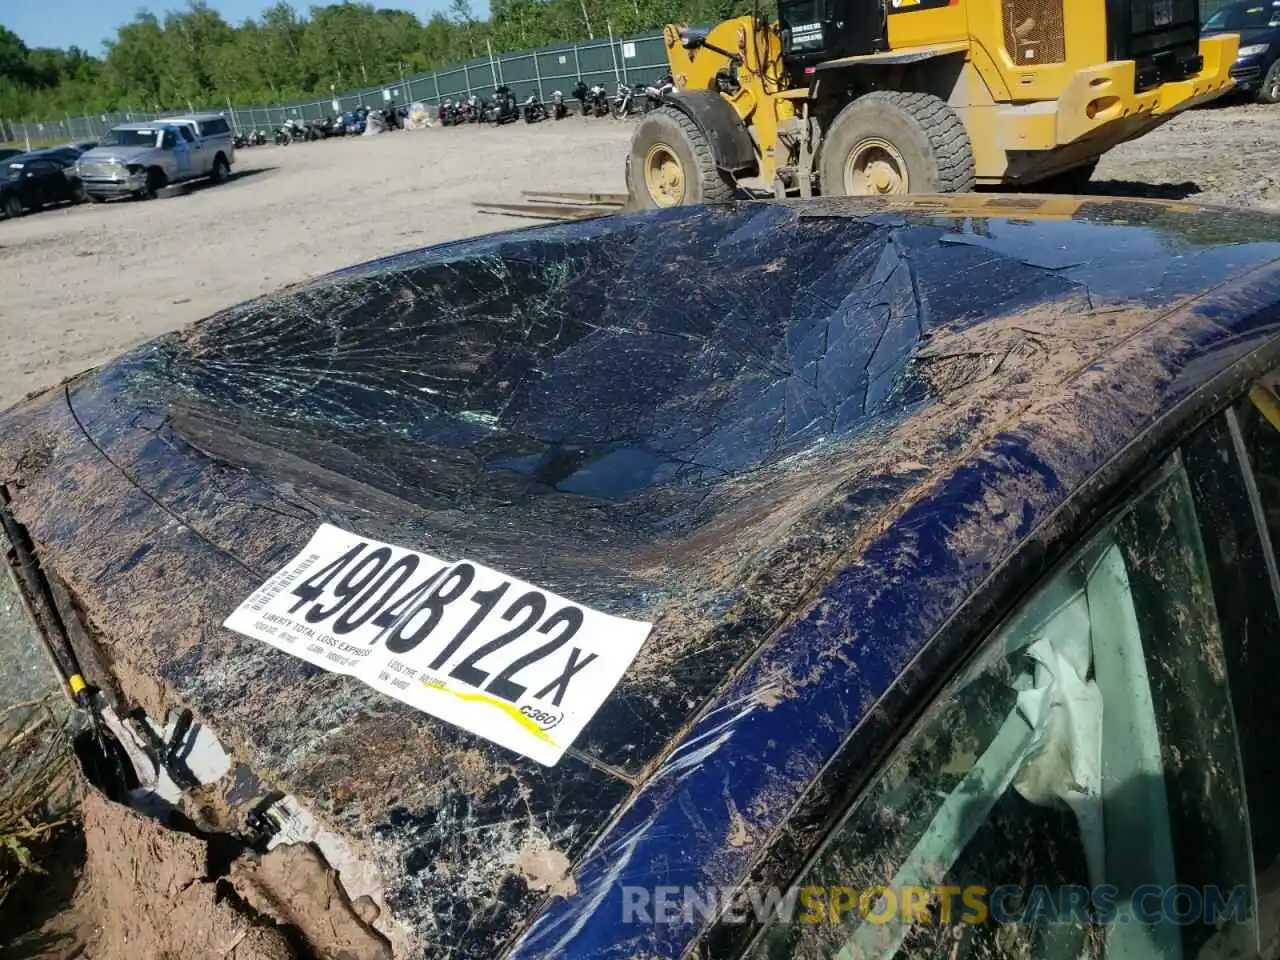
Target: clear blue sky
86, 23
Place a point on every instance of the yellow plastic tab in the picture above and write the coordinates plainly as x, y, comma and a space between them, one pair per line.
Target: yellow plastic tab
77, 684
1267, 404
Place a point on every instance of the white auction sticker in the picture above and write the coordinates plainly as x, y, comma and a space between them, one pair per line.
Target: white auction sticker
477, 648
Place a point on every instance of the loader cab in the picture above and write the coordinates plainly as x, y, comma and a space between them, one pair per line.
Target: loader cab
1161, 36
814, 31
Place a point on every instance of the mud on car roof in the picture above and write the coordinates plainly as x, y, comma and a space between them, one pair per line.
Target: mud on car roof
704, 419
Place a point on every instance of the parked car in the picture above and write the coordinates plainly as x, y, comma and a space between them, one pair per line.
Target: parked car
886, 555
30, 181
64, 155
139, 159
9, 152
83, 146
1257, 67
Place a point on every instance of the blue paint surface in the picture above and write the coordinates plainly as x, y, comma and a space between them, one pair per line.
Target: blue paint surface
604, 409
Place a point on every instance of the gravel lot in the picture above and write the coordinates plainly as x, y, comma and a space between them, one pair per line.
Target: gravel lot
79, 285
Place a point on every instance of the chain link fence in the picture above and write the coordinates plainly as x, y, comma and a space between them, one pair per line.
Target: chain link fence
608, 62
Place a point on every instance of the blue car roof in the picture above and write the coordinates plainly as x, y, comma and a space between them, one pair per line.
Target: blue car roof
742, 774
798, 438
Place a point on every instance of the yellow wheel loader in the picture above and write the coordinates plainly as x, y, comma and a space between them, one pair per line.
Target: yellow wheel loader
844, 97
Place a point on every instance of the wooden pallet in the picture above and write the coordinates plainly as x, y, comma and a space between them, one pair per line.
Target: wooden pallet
557, 205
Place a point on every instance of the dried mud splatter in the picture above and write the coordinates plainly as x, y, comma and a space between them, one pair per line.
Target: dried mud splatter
781, 532
147, 891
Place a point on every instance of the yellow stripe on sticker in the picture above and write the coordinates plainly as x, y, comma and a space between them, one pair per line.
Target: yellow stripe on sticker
507, 708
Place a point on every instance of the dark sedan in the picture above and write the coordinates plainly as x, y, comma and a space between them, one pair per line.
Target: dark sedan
38, 179
67, 155
831, 579
8, 153
1257, 67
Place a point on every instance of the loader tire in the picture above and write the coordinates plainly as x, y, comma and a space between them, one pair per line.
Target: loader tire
894, 142
671, 164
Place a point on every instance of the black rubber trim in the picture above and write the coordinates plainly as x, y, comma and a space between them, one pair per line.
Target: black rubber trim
35, 586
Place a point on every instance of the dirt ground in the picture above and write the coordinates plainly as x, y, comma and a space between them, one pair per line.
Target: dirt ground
79, 285
147, 892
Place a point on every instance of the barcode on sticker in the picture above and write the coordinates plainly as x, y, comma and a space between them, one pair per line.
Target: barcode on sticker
283, 583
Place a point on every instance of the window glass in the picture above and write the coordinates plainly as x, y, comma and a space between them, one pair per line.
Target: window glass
127, 137
187, 135
1075, 792
1252, 16
1259, 419
1257, 704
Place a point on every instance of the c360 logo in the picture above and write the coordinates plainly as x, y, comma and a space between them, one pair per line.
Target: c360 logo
545, 719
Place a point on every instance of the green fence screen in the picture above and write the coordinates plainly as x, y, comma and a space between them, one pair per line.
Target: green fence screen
605, 61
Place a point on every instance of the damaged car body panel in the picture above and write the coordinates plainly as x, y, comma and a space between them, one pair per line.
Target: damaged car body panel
795, 438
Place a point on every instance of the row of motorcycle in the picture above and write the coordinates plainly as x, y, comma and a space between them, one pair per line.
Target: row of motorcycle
593, 101
353, 123
503, 107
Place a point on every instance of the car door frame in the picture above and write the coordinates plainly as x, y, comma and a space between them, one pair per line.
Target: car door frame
952, 648
188, 139
38, 193
62, 189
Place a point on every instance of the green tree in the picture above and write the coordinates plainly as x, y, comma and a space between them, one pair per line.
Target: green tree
13, 57
136, 67
191, 55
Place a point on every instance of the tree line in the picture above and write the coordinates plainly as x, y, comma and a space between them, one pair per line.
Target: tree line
193, 56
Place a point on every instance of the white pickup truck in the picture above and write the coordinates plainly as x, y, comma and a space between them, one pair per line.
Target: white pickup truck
139, 159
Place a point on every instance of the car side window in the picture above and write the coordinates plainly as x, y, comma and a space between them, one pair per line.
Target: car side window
1257, 428
1075, 792
1259, 418
187, 135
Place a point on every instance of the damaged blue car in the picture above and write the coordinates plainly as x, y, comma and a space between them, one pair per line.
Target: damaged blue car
829, 579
